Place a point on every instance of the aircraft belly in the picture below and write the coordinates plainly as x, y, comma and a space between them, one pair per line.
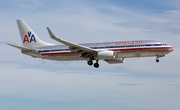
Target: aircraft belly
140, 54
128, 54
64, 58
31, 54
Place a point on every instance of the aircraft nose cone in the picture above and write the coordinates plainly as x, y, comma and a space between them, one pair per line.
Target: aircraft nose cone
171, 48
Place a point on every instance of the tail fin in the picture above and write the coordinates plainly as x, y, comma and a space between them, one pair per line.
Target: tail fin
28, 37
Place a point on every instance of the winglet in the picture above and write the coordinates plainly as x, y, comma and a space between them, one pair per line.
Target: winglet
51, 34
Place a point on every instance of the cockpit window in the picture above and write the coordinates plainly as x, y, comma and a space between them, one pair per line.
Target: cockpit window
164, 44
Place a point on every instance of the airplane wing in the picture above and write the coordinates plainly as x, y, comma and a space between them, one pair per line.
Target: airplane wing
20, 48
70, 44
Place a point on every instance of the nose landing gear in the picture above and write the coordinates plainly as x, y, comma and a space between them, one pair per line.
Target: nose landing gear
158, 56
157, 60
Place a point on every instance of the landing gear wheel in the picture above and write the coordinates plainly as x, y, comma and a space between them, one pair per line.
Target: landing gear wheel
157, 60
90, 62
96, 65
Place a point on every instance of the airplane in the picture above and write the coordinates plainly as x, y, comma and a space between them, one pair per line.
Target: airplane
111, 52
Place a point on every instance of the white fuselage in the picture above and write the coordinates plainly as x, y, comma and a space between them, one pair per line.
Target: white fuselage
123, 49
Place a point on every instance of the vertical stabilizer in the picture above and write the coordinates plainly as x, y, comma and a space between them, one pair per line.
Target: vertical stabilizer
28, 37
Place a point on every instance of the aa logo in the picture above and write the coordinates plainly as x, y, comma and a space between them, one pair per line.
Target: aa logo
29, 38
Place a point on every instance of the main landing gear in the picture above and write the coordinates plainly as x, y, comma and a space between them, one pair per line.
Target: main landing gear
90, 62
96, 65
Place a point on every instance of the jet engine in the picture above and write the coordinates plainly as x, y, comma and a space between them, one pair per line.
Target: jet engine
115, 61
106, 55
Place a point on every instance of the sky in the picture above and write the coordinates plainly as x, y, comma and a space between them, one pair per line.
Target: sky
137, 84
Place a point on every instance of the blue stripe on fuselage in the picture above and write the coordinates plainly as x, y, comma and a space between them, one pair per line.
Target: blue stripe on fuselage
104, 47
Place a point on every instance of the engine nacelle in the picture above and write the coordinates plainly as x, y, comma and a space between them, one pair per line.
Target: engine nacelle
115, 61
106, 55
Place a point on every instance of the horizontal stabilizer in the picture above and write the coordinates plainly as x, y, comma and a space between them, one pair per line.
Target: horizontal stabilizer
21, 48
